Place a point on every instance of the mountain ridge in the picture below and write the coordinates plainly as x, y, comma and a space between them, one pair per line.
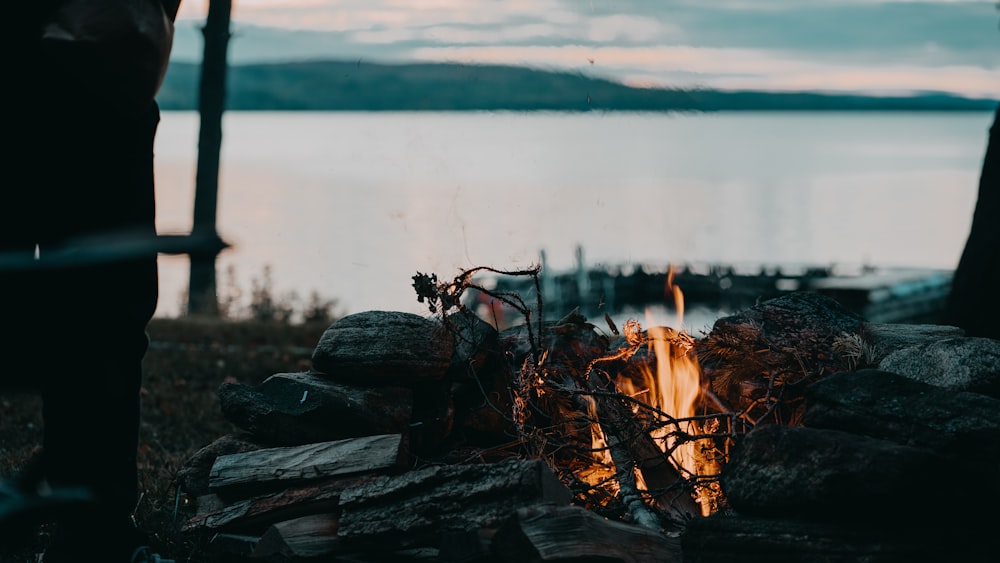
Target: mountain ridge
339, 85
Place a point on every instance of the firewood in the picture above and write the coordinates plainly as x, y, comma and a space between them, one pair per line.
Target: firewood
634, 447
300, 538
235, 546
415, 508
264, 468
258, 512
570, 533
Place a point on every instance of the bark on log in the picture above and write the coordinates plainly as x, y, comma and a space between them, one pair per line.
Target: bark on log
307, 537
415, 508
570, 534
259, 512
265, 468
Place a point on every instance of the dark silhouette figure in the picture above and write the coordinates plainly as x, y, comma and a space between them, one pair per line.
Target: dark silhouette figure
78, 166
974, 302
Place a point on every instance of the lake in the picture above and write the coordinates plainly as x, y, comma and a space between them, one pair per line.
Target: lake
352, 205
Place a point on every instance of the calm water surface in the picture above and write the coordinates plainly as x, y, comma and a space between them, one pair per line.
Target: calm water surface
351, 205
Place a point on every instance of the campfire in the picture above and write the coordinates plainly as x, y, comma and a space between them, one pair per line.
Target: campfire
792, 427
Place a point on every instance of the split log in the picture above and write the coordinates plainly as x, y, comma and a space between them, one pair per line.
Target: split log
302, 538
573, 534
301, 408
258, 512
266, 468
415, 508
759, 360
193, 476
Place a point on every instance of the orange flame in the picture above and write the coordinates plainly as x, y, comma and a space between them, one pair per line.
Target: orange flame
675, 389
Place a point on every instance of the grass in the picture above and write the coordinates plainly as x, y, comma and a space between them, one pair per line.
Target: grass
187, 361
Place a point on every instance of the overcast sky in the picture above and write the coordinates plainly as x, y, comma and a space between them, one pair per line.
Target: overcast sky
866, 45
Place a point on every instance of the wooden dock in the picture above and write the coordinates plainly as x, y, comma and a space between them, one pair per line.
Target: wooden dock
883, 295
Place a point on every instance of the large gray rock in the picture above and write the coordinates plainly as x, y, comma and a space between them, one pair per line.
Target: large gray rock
788, 471
298, 408
963, 364
384, 347
964, 426
882, 339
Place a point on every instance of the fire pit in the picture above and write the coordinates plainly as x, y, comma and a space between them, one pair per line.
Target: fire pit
794, 430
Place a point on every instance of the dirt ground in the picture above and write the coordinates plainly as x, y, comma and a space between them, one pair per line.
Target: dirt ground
187, 361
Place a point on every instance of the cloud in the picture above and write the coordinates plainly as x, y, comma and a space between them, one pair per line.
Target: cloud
944, 44
729, 68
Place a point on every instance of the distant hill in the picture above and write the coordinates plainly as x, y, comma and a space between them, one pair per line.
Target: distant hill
363, 86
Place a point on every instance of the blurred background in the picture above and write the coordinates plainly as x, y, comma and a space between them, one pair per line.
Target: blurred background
365, 141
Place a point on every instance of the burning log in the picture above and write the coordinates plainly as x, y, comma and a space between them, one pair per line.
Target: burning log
569, 533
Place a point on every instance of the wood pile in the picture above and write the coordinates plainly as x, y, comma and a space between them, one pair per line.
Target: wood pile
440, 439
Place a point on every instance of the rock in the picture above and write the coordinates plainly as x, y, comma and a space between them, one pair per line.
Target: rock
727, 537
882, 339
298, 408
892, 407
964, 364
772, 349
384, 347
828, 475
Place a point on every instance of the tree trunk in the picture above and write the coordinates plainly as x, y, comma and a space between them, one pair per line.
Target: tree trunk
202, 298
974, 302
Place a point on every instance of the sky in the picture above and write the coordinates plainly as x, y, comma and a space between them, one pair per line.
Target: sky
875, 46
